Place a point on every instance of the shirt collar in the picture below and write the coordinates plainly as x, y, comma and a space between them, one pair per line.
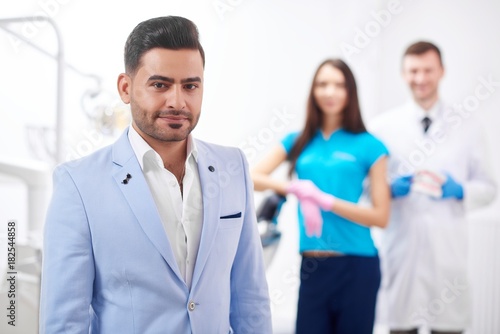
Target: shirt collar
141, 147
319, 133
432, 113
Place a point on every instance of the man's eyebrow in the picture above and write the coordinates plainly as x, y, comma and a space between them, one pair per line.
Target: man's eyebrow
161, 78
193, 79
167, 79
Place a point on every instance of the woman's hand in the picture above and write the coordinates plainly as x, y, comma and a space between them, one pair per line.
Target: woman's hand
307, 190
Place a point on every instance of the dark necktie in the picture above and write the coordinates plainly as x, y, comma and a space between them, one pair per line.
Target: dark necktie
426, 122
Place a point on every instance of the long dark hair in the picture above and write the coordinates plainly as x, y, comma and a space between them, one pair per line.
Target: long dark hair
351, 115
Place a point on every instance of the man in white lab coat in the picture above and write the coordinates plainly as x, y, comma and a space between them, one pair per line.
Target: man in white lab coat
438, 171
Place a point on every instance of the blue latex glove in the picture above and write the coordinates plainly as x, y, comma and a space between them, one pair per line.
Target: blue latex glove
401, 186
452, 189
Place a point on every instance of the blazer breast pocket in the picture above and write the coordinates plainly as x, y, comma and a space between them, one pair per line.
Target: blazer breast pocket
230, 221
236, 215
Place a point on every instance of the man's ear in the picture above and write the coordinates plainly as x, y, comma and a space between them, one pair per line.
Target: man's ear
124, 83
443, 72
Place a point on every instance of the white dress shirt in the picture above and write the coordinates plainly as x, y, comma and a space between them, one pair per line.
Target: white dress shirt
182, 215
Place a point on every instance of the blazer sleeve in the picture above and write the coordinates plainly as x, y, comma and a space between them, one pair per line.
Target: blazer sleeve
68, 266
250, 305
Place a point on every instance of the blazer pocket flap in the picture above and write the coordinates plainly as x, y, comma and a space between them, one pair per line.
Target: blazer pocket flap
236, 215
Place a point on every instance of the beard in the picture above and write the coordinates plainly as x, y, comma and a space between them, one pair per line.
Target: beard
149, 123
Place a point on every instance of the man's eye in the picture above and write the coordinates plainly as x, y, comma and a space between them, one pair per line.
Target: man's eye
190, 86
159, 85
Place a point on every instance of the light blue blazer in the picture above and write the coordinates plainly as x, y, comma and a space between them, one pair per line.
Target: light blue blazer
108, 266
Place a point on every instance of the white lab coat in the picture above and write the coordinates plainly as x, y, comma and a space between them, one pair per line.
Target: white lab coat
424, 248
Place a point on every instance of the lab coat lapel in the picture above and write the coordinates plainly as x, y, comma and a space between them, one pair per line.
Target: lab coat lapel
210, 187
138, 196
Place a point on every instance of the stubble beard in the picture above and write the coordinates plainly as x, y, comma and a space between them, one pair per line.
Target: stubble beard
172, 132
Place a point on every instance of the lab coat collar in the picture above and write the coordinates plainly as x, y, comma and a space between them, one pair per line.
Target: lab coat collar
433, 113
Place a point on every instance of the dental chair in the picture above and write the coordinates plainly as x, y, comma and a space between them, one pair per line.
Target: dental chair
267, 218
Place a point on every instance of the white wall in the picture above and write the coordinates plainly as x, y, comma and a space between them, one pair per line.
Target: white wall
260, 60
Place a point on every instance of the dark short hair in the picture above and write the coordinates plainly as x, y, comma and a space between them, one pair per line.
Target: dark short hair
422, 47
168, 32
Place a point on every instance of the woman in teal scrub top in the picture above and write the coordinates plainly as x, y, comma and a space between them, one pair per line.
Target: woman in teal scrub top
331, 158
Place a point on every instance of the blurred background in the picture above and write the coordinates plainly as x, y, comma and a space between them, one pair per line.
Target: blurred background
59, 102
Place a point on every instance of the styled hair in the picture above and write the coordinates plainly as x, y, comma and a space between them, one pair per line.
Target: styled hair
351, 115
422, 47
168, 32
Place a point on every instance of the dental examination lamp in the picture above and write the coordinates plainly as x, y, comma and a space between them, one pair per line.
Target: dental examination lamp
60, 71
36, 176
58, 152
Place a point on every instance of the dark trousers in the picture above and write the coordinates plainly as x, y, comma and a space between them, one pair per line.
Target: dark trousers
337, 295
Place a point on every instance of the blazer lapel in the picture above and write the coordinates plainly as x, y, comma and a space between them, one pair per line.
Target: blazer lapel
210, 187
138, 196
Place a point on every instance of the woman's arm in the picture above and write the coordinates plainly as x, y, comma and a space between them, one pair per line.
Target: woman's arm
378, 213
261, 172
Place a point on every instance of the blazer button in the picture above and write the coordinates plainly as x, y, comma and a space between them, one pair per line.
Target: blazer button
191, 306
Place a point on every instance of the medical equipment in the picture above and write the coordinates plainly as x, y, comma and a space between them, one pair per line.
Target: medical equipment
36, 176
267, 217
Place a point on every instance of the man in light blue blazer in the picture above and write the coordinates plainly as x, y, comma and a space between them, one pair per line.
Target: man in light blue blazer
156, 233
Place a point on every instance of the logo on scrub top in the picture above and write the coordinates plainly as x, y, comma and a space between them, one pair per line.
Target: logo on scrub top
343, 156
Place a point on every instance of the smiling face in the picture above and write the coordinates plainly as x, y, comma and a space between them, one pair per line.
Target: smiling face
165, 94
330, 91
422, 73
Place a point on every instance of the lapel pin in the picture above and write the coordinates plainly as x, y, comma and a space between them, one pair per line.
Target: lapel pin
127, 178
211, 168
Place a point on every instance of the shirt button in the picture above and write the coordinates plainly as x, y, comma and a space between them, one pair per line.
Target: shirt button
191, 306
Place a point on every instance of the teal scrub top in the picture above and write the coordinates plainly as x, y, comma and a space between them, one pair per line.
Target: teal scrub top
338, 165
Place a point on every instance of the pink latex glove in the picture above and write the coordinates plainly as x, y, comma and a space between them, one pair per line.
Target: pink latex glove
307, 190
312, 218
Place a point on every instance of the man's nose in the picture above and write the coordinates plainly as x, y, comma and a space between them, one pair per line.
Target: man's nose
420, 77
175, 98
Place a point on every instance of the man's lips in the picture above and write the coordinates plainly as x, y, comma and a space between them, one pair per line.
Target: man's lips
421, 87
174, 118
